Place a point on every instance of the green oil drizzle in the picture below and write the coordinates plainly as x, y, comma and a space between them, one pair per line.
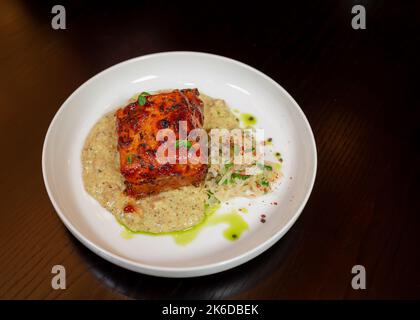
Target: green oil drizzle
185, 237
127, 234
268, 142
243, 210
248, 119
277, 166
236, 225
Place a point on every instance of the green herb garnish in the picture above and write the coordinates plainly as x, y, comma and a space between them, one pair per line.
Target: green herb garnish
264, 167
212, 200
239, 176
142, 98
264, 183
228, 165
183, 143
130, 159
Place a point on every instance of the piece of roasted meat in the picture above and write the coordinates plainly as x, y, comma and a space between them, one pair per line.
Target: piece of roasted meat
138, 124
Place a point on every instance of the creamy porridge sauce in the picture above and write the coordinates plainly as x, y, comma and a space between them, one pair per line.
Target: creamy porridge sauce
168, 211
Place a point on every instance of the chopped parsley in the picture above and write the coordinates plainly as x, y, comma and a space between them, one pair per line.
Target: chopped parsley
228, 165
183, 143
264, 167
130, 159
239, 176
264, 183
142, 98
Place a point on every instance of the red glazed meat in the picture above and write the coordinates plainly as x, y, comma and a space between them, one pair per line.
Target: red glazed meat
137, 127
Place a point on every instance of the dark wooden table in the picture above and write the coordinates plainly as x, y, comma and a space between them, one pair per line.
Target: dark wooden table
357, 88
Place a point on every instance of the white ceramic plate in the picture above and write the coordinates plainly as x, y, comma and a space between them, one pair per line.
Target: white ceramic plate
242, 87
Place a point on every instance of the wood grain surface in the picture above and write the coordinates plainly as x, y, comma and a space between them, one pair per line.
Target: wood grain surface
357, 88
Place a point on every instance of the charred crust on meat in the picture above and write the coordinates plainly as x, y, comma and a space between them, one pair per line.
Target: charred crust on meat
137, 127
164, 123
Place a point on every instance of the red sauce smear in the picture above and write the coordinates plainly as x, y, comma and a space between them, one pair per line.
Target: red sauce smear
129, 209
